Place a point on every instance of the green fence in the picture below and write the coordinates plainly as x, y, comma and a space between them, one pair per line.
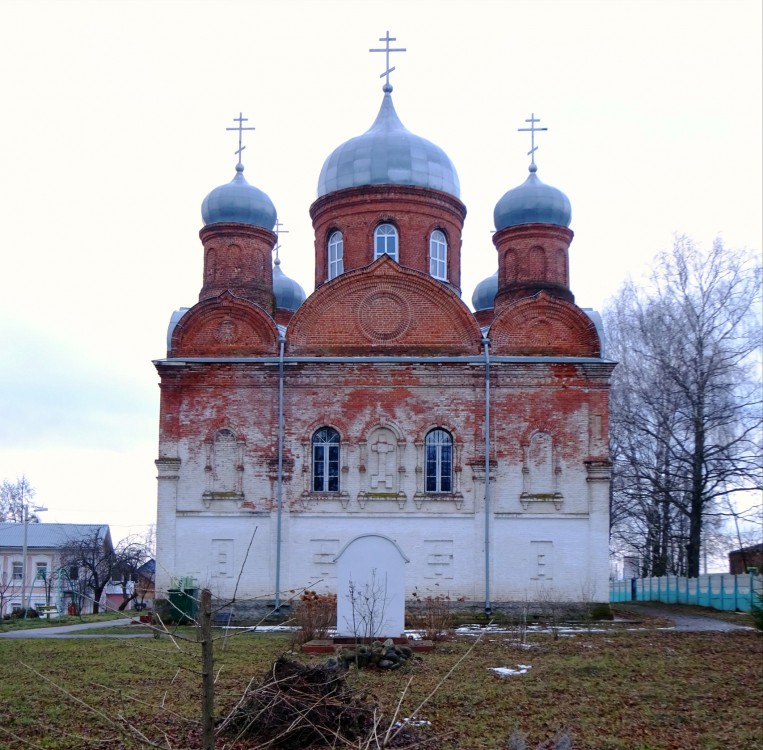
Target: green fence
716, 590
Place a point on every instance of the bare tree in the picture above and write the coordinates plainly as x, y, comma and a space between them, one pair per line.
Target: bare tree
130, 554
13, 497
95, 559
686, 407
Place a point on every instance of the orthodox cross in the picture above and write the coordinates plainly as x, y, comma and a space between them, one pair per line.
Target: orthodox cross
278, 232
387, 49
532, 130
240, 120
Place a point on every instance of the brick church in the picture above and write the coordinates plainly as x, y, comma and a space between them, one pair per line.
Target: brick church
380, 404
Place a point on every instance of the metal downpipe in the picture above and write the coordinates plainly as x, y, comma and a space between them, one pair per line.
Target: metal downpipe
488, 606
279, 479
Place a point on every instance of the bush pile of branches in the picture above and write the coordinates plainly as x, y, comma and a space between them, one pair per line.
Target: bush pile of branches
298, 706
316, 615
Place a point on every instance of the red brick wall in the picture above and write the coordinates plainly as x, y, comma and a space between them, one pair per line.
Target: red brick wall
415, 211
237, 257
385, 309
532, 258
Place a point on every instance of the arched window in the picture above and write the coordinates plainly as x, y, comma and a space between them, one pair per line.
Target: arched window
438, 255
326, 460
336, 254
385, 241
439, 461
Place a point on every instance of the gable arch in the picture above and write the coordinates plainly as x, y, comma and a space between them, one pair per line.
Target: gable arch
544, 326
383, 309
224, 326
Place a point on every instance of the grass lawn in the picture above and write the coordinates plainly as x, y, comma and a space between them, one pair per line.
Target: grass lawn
32, 623
617, 689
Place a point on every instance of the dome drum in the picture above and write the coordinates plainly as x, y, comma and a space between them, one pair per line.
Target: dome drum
532, 258
414, 211
237, 257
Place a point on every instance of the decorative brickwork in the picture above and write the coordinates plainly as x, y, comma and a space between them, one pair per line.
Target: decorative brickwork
225, 326
544, 325
383, 309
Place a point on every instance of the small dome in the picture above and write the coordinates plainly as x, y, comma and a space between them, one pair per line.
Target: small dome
533, 202
388, 154
240, 203
288, 293
484, 293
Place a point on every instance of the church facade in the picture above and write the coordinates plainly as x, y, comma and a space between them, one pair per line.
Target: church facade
380, 404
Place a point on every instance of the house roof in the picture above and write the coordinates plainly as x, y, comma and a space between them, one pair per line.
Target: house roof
51, 535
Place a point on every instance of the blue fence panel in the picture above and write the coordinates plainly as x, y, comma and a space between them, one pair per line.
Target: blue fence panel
721, 591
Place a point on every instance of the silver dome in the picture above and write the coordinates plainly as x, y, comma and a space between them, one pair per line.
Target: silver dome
533, 202
388, 154
484, 293
288, 293
240, 203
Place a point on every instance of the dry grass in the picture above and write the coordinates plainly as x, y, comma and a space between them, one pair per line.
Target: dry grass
613, 690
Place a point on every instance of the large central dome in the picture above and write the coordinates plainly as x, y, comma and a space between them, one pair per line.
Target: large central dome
388, 154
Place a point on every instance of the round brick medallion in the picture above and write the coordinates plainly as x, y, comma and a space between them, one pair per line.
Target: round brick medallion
384, 316
226, 332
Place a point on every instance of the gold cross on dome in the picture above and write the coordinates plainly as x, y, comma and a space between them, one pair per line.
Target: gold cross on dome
387, 49
240, 120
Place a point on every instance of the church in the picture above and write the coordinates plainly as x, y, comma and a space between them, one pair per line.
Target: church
381, 404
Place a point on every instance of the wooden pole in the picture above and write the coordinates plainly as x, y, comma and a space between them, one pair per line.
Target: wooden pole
207, 673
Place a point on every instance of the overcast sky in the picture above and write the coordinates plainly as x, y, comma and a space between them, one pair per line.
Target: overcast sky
113, 131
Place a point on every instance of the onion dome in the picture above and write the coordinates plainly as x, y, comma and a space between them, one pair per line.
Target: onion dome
533, 202
388, 154
239, 202
288, 293
484, 293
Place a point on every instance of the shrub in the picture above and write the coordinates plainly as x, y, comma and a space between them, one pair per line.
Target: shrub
316, 615
430, 615
29, 614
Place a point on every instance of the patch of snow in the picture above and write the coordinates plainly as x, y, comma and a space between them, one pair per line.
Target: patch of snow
413, 722
506, 672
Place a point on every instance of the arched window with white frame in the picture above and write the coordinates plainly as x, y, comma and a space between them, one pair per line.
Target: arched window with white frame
385, 241
438, 255
439, 461
336, 254
326, 444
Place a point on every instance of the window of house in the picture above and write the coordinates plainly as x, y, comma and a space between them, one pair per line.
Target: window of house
439, 461
438, 255
336, 254
326, 460
42, 570
385, 241
73, 573
18, 571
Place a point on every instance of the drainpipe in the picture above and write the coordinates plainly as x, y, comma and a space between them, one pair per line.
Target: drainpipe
279, 480
486, 345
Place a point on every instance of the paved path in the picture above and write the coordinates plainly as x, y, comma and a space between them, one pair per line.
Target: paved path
684, 621
75, 631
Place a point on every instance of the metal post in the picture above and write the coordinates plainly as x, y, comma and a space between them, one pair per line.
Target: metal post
488, 606
25, 520
279, 483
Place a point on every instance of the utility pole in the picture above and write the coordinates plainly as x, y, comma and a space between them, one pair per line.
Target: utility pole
25, 519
